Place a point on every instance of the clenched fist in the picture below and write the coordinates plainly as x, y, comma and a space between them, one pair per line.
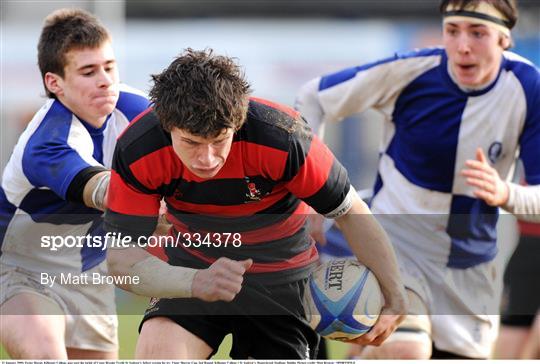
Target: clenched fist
221, 281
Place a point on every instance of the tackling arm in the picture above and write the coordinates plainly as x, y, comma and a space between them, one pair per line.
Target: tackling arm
95, 190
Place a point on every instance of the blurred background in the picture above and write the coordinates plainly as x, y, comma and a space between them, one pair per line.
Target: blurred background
280, 43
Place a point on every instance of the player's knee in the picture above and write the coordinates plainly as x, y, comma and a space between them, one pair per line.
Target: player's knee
412, 340
50, 346
83, 354
40, 345
41, 353
407, 350
44, 350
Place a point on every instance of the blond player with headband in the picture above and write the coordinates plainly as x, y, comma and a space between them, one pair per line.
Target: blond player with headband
456, 119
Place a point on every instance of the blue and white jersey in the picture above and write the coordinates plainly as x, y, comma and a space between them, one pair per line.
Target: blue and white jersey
53, 149
431, 127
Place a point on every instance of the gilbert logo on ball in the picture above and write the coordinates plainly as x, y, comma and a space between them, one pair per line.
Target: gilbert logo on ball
343, 299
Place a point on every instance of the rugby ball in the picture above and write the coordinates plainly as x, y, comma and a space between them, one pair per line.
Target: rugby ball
343, 299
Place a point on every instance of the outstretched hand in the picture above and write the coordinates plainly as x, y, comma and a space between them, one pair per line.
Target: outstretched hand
486, 180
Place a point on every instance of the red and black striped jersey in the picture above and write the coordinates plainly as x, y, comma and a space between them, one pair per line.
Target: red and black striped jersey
529, 228
275, 169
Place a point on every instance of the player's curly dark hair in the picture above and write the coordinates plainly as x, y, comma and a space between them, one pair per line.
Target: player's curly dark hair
63, 31
507, 7
202, 93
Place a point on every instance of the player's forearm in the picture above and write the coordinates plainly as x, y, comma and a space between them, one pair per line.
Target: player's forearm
95, 191
156, 278
524, 202
371, 246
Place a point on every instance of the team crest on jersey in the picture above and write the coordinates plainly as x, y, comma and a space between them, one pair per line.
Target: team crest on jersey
178, 194
495, 152
254, 194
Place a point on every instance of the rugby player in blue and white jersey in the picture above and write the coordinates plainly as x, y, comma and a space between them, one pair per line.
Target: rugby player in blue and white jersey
456, 118
55, 185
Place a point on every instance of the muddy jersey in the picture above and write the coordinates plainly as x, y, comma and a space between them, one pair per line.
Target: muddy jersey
54, 151
257, 202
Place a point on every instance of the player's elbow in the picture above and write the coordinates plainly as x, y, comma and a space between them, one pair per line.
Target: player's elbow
307, 103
